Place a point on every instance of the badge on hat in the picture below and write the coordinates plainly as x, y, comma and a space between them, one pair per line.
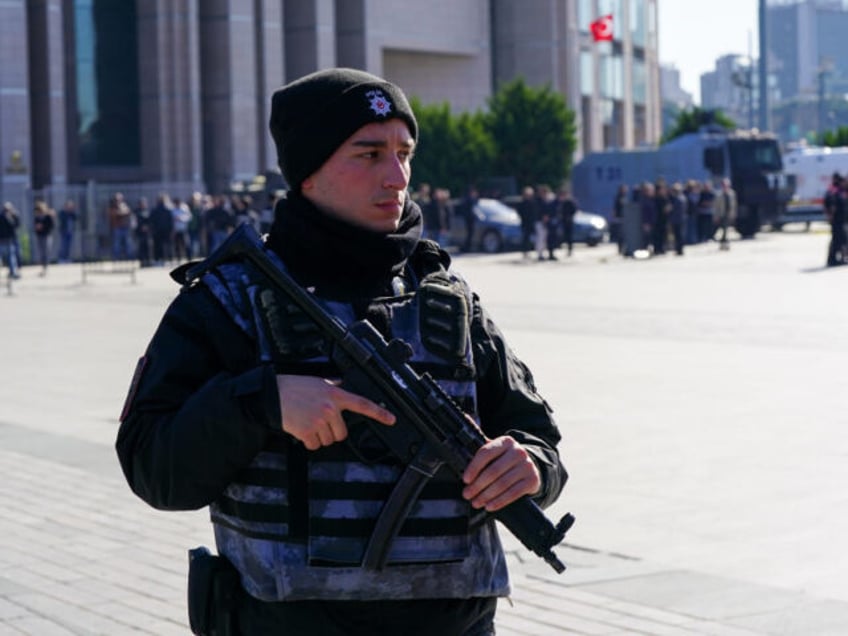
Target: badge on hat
380, 104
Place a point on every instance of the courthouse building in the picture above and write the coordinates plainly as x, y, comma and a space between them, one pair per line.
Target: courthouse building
175, 94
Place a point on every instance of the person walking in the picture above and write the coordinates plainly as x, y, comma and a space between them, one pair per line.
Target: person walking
566, 208
120, 223
706, 213
181, 220
528, 213
648, 204
725, 212
466, 211
9, 222
43, 224
834, 204
677, 217
68, 217
617, 224
219, 221
162, 229
236, 403
143, 233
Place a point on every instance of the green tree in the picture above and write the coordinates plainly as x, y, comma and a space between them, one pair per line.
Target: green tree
689, 121
453, 150
834, 138
534, 133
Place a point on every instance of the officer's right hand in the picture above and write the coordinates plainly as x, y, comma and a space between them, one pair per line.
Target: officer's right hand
311, 409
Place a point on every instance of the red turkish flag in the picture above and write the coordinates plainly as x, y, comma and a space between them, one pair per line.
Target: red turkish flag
602, 29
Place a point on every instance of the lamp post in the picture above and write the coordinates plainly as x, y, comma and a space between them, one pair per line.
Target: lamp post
765, 119
824, 70
743, 77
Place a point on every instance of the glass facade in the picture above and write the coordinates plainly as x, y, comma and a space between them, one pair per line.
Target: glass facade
640, 82
585, 15
612, 76
587, 74
637, 22
613, 8
107, 83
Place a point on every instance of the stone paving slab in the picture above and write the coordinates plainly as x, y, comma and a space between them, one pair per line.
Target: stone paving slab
80, 555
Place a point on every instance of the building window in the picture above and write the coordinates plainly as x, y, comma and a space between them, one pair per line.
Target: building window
585, 15
637, 22
612, 77
640, 82
613, 8
107, 83
587, 73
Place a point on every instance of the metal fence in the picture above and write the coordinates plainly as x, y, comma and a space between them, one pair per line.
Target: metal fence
92, 236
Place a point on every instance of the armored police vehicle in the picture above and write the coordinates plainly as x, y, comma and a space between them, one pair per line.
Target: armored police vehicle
750, 159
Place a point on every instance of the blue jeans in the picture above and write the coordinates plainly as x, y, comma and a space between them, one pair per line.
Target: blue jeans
7, 256
65, 240
121, 243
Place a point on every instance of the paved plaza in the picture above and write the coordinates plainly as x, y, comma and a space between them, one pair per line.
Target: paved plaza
703, 406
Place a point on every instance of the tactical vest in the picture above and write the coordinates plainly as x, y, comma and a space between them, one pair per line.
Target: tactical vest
295, 523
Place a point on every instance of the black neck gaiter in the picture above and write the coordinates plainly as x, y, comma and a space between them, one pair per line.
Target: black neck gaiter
341, 260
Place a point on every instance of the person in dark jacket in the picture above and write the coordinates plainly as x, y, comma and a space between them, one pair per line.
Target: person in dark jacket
834, 205
528, 212
9, 222
236, 403
566, 208
43, 224
677, 217
143, 232
162, 229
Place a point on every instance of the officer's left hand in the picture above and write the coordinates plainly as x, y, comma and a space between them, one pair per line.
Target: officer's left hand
500, 472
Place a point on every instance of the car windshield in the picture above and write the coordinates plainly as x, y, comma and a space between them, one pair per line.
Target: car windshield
494, 208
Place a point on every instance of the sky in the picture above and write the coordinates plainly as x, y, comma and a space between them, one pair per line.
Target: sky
694, 33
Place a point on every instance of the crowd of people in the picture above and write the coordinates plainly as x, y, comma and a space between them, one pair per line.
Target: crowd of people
177, 230
671, 216
547, 221
44, 222
173, 230
439, 212
676, 215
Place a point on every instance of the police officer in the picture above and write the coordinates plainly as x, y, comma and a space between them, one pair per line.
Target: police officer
237, 407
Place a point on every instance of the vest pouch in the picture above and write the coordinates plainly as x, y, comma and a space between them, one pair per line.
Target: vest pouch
213, 588
443, 317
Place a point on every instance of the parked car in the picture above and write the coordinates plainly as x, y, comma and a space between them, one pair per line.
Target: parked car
497, 227
589, 228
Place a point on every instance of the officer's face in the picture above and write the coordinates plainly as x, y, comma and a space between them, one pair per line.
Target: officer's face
364, 181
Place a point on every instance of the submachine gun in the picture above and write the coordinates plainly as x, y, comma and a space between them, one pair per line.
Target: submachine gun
431, 430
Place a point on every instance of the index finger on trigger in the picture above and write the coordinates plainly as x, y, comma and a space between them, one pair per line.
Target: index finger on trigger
366, 407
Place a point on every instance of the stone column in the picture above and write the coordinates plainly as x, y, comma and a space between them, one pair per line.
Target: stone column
169, 78
15, 146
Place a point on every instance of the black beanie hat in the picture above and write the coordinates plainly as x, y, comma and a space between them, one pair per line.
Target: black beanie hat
314, 115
